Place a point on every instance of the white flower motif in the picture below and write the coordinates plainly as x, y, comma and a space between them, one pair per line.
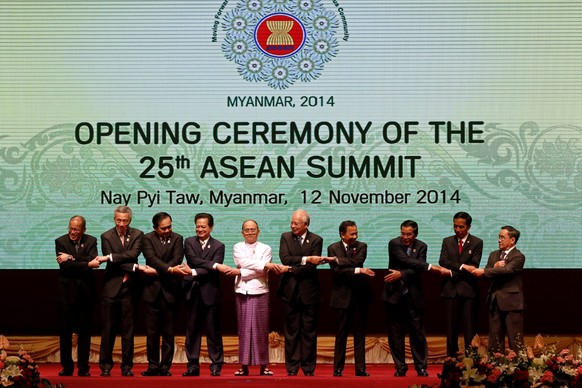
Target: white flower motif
254, 5
239, 47
239, 23
280, 73
306, 5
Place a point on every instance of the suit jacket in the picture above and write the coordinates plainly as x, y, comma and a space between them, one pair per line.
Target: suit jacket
410, 266
346, 285
207, 280
461, 283
76, 281
124, 257
506, 287
302, 281
161, 257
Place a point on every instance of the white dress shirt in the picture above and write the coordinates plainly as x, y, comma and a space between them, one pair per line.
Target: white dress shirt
251, 260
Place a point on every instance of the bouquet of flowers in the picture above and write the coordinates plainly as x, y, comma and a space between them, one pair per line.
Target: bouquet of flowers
524, 370
19, 371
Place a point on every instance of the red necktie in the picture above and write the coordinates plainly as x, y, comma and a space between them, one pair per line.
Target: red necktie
460, 246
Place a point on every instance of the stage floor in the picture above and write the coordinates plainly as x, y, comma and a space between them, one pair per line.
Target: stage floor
381, 376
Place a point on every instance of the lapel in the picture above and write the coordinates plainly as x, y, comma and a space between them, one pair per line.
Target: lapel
204, 253
467, 250
510, 255
306, 246
82, 244
118, 247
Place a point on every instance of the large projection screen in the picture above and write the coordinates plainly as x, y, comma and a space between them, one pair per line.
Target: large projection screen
373, 111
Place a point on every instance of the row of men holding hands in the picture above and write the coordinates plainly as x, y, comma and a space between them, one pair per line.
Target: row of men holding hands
300, 252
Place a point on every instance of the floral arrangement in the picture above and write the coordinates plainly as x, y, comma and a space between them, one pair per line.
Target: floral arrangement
19, 371
524, 370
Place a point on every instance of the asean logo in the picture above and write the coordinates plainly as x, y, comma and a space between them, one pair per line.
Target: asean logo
280, 42
279, 35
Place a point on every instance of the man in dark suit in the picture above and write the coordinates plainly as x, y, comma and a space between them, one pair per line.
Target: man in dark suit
76, 255
121, 246
204, 256
350, 296
404, 300
300, 250
505, 296
460, 254
164, 251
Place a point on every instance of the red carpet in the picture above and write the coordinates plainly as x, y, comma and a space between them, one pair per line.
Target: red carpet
381, 377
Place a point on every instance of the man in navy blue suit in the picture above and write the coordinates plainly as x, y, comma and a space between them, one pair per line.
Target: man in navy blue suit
204, 256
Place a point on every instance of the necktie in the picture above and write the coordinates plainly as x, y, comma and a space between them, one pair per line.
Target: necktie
122, 237
408, 251
502, 256
300, 239
350, 251
203, 245
460, 246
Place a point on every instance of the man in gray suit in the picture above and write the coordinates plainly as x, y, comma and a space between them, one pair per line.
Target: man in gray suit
505, 297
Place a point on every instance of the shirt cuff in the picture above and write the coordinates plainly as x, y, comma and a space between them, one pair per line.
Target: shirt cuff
304, 260
357, 270
214, 265
429, 267
194, 272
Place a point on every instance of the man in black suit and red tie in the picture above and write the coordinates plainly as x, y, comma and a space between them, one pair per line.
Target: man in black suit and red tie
121, 246
204, 256
404, 300
164, 251
505, 297
300, 250
76, 255
461, 255
350, 296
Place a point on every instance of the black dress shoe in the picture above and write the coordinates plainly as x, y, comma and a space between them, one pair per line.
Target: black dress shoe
291, 373
191, 373
150, 372
400, 373
362, 373
337, 373
214, 373
105, 373
308, 373
66, 372
422, 373
84, 373
127, 373
165, 373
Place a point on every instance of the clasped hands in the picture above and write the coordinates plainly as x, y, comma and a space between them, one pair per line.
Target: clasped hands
230, 271
62, 257
396, 275
478, 272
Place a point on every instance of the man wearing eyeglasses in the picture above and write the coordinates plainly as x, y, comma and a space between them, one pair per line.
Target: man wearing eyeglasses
300, 250
76, 255
505, 296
